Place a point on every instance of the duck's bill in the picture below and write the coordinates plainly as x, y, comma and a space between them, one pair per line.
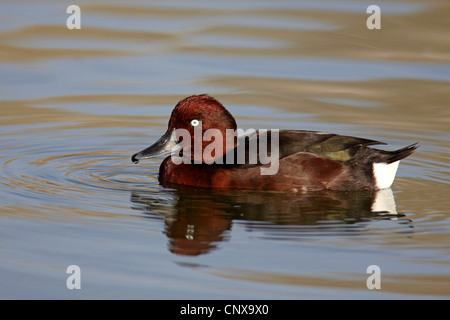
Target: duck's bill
164, 146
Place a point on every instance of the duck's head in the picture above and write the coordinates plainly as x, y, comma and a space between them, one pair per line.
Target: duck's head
191, 118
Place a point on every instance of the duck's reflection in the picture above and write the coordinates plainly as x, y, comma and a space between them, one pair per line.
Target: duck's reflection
197, 220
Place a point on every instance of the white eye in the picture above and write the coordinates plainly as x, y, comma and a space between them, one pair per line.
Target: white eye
195, 122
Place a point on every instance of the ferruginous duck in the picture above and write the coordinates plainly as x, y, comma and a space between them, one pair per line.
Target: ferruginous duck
205, 150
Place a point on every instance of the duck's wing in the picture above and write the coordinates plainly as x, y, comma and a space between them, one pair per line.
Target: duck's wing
331, 146
336, 147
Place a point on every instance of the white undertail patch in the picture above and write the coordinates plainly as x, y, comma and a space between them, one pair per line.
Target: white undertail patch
384, 174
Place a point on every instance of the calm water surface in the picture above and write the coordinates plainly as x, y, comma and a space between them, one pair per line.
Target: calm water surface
76, 104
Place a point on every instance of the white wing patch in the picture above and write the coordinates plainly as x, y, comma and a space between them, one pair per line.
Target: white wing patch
384, 174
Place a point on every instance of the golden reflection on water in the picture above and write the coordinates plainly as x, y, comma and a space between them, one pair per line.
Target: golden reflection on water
399, 283
402, 37
46, 112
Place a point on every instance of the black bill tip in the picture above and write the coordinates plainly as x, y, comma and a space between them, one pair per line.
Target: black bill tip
163, 146
134, 158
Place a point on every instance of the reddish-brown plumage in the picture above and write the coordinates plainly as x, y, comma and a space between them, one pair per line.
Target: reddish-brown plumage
308, 160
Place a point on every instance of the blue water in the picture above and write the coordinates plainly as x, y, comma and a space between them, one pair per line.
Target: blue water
75, 105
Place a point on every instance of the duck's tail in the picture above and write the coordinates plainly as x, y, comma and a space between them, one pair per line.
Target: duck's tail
384, 171
400, 154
